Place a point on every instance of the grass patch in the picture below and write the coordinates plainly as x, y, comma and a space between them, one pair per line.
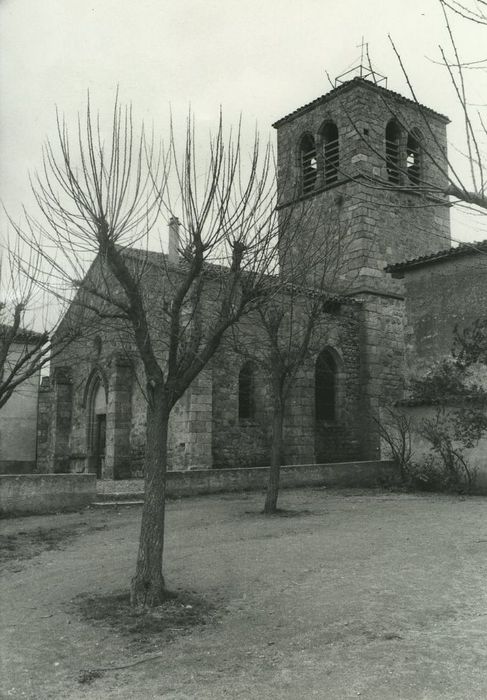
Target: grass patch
296, 513
284, 513
149, 628
30, 543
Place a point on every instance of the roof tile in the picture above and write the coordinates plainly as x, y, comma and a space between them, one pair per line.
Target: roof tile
346, 86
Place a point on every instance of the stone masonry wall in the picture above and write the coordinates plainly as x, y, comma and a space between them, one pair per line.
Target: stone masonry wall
383, 362
18, 421
438, 297
247, 442
238, 443
379, 223
361, 111
190, 426
106, 356
45, 493
205, 429
44, 419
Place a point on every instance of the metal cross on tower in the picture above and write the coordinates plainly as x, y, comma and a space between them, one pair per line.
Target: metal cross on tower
363, 70
362, 52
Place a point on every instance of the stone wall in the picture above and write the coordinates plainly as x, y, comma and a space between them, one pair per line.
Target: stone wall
18, 423
239, 443
206, 481
205, 429
247, 442
65, 440
438, 297
378, 222
190, 426
361, 110
45, 493
383, 362
342, 475
44, 419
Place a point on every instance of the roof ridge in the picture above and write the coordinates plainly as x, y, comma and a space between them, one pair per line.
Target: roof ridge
347, 85
463, 248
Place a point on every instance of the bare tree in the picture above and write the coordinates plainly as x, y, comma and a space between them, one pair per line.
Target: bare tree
464, 182
27, 342
395, 428
100, 198
475, 11
472, 192
294, 315
458, 180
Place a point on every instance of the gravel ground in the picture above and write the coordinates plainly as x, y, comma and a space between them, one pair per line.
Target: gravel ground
358, 594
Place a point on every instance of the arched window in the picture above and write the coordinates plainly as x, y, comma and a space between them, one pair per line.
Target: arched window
98, 419
309, 166
413, 157
331, 154
246, 391
95, 401
97, 346
325, 386
393, 137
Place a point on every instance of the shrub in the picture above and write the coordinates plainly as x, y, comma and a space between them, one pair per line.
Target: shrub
395, 431
449, 433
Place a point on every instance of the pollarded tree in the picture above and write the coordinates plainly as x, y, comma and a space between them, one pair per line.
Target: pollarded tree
294, 315
98, 199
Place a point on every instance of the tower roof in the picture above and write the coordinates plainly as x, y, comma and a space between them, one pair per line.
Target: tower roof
345, 87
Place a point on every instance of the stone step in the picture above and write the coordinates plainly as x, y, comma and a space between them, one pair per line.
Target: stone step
112, 503
122, 497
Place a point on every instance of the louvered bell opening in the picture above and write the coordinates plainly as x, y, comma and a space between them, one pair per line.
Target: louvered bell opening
392, 161
413, 156
331, 161
309, 169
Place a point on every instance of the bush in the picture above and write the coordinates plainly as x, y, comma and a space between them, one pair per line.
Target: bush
395, 431
427, 475
449, 433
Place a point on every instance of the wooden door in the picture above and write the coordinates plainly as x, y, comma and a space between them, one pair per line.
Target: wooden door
100, 443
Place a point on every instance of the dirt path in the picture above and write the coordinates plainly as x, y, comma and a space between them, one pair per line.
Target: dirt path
366, 595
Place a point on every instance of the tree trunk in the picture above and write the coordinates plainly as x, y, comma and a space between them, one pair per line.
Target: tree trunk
148, 588
270, 506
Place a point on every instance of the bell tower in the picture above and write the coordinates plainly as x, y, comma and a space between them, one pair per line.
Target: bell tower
361, 182
367, 166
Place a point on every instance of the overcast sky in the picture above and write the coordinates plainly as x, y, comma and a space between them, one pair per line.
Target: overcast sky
260, 58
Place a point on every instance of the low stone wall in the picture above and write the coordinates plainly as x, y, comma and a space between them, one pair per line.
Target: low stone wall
204, 481
340, 474
45, 493
16, 466
48, 493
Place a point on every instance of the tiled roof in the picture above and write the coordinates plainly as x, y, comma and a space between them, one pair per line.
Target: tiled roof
151, 256
440, 256
23, 334
346, 86
158, 258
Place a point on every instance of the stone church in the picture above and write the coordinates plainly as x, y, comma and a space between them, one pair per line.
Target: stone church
364, 153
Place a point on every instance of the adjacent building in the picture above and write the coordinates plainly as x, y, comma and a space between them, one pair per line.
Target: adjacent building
18, 416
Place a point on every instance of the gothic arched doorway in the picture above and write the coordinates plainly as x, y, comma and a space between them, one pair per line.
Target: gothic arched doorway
97, 426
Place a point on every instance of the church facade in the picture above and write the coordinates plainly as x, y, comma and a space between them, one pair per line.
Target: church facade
361, 155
